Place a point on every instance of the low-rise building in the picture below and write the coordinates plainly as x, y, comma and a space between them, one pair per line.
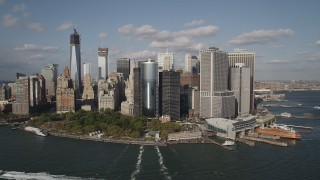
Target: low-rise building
228, 128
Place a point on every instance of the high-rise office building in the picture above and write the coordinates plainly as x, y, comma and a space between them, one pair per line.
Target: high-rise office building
240, 85
215, 99
169, 94
75, 62
137, 91
191, 64
248, 58
50, 74
127, 107
123, 66
103, 63
86, 69
149, 73
22, 104
165, 61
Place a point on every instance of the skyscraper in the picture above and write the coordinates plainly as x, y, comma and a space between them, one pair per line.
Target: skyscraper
86, 69
50, 74
123, 66
169, 98
75, 61
66, 99
103, 63
22, 104
149, 87
165, 61
248, 58
215, 99
240, 85
191, 64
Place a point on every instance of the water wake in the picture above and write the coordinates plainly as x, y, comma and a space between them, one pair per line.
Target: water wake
138, 165
35, 176
163, 169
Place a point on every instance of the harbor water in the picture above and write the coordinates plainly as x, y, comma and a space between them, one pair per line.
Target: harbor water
27, 156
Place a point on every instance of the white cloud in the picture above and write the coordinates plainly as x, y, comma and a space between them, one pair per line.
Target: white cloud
102, 36
149, 32
2, 2
195, 23
276, 46
260, 36
9, 21
126, 29
141, 54
198, 32
38, 27
277, 61
65, 25
177, 42
19, 7
314, 57
35, 47
317, 42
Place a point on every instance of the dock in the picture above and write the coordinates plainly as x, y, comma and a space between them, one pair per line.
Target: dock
278, 143
299, 127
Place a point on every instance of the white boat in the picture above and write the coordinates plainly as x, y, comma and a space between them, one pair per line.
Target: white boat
38, 131
228, 143
285, 114
317, 107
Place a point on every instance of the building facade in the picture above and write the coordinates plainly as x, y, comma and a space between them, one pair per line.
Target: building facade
191, 64
165, 61
169, 94
88, 93
66, 96
248, 59
137, 91
50, 74
149, 73
75, 62
240, 84
21, 106
127, 107
123, 66
86, 69
103, 67
215, 99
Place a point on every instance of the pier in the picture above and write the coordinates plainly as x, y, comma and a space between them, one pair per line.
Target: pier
278, 143
299, 127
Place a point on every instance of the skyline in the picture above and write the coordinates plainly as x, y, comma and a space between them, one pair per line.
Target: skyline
283, 34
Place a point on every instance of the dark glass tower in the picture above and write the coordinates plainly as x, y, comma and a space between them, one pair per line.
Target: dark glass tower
123, 66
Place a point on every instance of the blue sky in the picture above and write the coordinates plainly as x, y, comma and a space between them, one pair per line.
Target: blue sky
285, 35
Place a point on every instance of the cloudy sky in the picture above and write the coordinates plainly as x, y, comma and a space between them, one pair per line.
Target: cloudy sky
285, 35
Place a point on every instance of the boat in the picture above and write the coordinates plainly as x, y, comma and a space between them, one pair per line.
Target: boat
317, 107
285, 114
228, 143
38, 131
282, 131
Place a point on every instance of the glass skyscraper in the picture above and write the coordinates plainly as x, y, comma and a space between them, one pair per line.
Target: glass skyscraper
75, 61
